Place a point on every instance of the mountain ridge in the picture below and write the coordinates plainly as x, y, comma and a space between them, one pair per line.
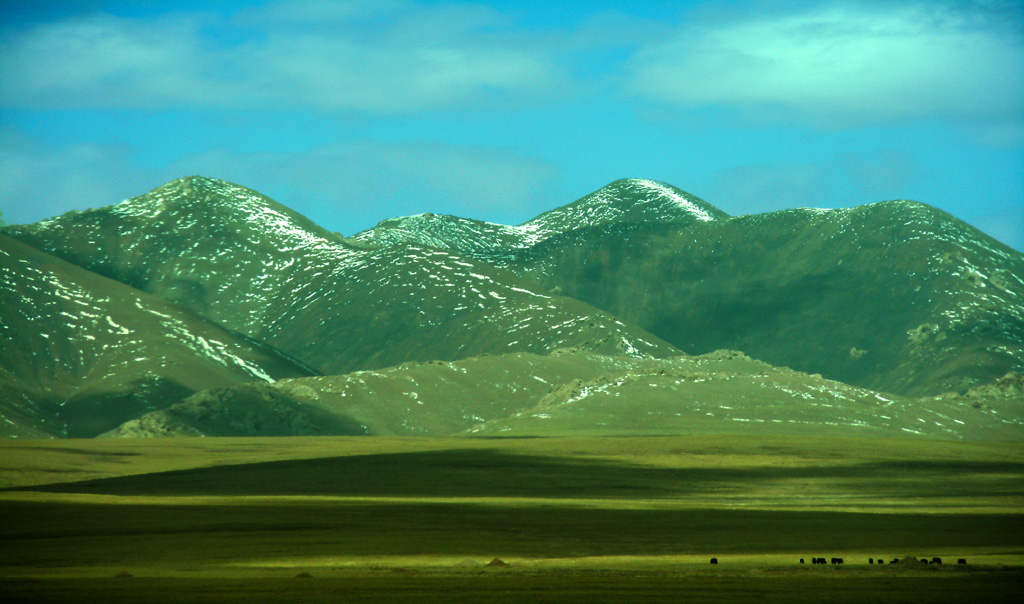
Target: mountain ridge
704, 285
806, 288
891, 297
304, 291
626, 200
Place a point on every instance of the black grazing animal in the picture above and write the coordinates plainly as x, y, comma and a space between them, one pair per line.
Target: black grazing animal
801, 560
714, 560
871, 560
962, 561
895, 561
936, 560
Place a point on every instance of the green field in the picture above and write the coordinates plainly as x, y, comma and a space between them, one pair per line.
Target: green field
576, 520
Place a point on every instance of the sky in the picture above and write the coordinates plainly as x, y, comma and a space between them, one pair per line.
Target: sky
351, 112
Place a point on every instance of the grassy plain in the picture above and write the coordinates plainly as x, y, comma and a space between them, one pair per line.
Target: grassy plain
417, 520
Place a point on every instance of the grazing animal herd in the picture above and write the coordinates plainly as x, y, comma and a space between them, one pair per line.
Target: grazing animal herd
935, 560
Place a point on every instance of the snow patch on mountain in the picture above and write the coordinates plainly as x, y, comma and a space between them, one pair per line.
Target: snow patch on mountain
628, 200
662, 190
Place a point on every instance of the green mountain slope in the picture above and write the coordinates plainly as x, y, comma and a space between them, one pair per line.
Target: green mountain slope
80, 353
573, 322
580, 393
894, 296
251, 265
413, 399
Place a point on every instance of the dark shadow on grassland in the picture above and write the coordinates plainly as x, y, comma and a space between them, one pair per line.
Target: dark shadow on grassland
492, 473
54, 533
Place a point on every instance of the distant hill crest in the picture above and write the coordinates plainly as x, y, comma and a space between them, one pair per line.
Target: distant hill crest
626, 200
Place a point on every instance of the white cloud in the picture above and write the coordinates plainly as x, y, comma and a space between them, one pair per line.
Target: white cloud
102, 61
844, 63
323, 56
319, 13
839, 63
337, 74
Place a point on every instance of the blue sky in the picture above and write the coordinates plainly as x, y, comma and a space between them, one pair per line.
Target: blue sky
356, 111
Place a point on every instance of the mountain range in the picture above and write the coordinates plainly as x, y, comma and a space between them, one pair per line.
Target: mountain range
203, 307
